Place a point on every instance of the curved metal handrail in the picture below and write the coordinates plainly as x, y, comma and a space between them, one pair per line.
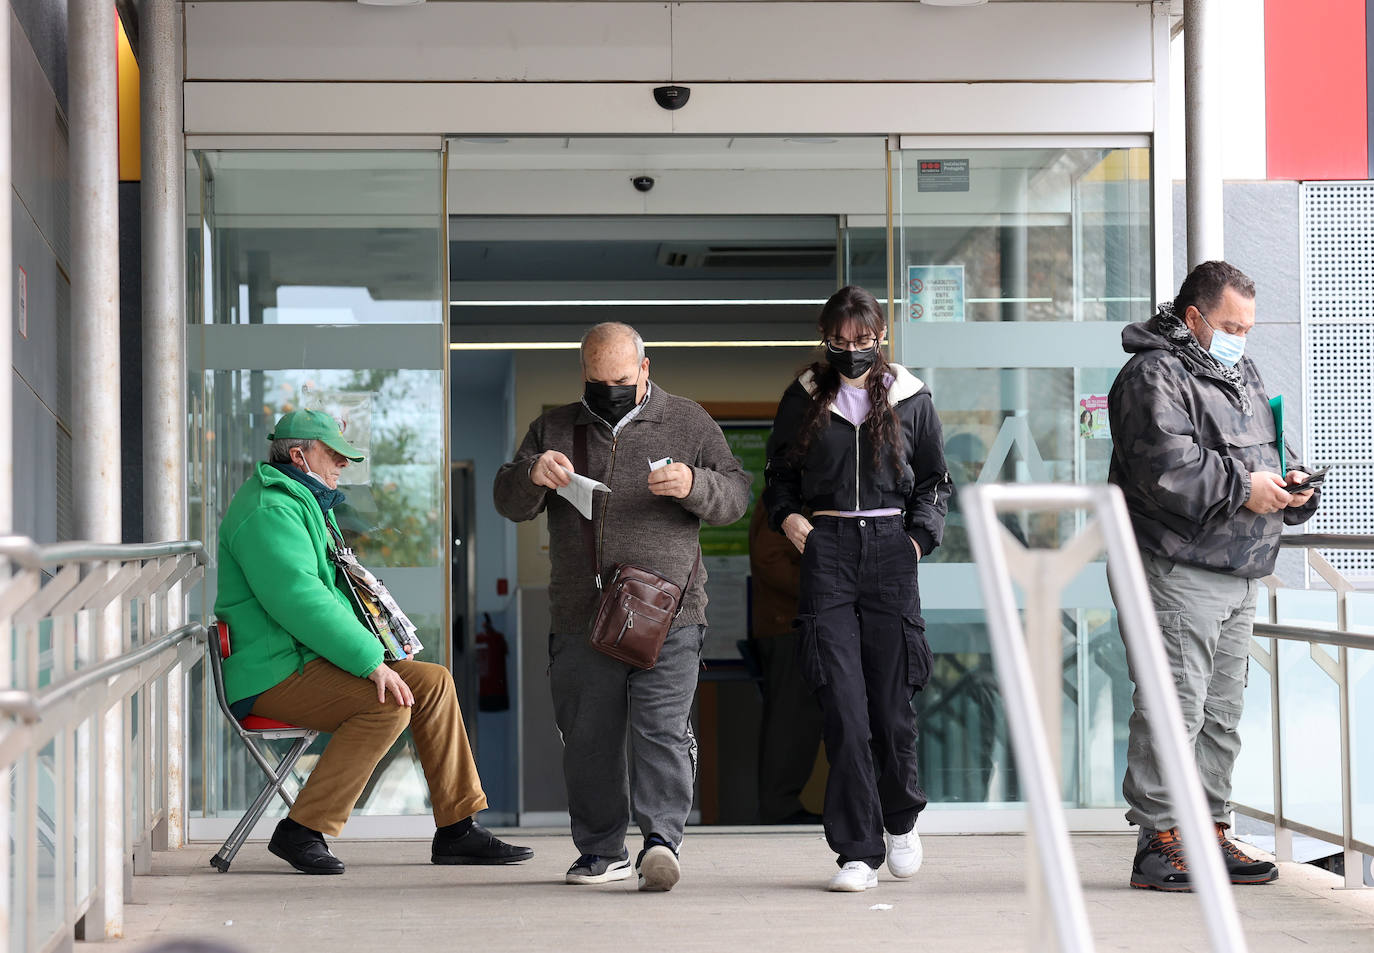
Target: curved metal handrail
1327, 540
29, 706
1298, 633
26, 553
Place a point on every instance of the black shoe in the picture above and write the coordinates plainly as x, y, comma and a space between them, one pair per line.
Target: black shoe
477, 846
303, 849
1159, 863
1243, 868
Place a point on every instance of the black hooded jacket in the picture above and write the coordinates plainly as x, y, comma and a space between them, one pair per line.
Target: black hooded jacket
838, 471
1183, 449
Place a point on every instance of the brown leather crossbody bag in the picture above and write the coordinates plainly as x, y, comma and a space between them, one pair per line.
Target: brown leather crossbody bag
638, 606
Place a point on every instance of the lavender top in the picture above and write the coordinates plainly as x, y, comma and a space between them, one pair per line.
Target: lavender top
853, 405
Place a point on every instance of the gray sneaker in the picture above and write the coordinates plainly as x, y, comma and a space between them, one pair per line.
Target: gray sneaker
595, 869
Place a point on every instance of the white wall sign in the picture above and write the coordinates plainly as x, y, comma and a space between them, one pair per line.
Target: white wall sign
935, 292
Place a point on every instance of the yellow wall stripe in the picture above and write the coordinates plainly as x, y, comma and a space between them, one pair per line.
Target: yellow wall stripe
130, 150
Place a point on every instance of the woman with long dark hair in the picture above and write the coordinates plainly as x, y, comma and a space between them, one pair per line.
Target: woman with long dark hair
857, 444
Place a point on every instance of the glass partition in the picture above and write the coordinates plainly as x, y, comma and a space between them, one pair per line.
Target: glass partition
317, 281
1015, 270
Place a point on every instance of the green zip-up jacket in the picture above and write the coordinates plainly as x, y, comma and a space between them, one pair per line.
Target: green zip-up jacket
278, 591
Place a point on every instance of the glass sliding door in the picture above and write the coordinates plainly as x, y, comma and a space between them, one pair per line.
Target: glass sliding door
318, 283
1016, 269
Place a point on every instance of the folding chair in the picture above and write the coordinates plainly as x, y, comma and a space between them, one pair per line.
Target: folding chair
252, 729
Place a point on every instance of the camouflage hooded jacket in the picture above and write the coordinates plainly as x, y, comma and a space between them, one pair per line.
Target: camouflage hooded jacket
1185, 441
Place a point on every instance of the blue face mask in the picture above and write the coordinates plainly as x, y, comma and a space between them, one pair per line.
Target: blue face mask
1225, 347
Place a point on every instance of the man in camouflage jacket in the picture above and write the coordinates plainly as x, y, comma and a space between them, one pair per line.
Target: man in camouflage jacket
1196, 454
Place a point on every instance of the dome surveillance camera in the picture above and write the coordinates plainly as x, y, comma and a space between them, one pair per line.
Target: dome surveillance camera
672, 97
643, 182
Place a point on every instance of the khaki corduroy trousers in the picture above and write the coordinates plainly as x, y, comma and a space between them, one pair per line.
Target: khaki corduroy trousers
326, 698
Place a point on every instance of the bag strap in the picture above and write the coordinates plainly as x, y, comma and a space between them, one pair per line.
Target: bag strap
588, 527
688, 588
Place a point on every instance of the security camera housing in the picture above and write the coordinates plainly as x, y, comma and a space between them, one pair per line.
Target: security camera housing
643, 182
672, 97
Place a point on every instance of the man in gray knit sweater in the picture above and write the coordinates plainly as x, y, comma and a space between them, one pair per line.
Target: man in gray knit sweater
650, 519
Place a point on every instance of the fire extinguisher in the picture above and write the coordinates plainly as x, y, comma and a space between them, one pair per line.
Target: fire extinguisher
492, 693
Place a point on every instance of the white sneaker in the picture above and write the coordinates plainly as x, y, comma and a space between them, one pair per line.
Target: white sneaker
658, 869
904, 853
854, 877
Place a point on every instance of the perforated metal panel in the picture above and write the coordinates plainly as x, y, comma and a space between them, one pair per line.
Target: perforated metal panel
1338, 292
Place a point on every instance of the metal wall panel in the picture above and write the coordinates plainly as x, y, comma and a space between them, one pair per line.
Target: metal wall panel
40, 147
41, 375
1338, 306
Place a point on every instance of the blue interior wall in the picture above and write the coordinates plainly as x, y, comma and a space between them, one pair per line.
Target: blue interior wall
481, 394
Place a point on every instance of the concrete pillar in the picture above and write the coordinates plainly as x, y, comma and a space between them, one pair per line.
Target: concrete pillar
163, 197
94, 164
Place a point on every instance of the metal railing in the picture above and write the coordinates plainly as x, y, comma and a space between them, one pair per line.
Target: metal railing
1030, 665
1338, 669
93, 651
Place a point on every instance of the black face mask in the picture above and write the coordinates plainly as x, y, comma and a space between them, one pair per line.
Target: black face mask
852, 364
610, 402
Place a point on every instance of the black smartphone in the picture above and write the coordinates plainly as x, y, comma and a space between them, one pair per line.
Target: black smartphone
1312, 482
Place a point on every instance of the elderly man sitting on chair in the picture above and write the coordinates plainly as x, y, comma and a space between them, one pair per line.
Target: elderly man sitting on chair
302, 656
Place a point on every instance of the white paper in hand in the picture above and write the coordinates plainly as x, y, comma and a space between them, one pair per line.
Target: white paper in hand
579, 492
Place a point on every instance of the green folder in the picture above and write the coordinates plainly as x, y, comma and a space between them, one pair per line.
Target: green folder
1276, 405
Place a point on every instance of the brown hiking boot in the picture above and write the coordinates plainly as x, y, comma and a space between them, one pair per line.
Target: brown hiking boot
1243, 868
1159, 863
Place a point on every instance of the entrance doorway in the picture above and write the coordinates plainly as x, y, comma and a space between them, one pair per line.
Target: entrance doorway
450, 288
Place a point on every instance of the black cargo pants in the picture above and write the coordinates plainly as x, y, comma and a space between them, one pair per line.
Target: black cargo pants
864, 652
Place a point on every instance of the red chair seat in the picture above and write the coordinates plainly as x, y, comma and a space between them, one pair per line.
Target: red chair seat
259, 723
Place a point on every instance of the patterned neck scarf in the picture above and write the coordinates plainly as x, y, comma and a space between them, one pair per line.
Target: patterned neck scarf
327, 498
1172, 328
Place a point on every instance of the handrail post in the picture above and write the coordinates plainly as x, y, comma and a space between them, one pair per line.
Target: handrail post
1352, 859
1063, 892
1145, 643
1112, 531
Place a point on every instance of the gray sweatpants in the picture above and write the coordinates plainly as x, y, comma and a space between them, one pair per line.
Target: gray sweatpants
597, 701
1206, 619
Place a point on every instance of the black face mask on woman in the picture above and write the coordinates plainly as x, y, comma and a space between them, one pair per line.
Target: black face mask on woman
610, 402
852, 364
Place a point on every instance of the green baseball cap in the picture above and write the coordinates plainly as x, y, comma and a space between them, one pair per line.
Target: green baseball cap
315, 425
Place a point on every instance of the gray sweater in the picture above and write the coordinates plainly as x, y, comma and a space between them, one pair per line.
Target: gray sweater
632, 525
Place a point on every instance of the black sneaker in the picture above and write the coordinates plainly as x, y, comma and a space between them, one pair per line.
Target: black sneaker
477, 846
1243, 868
303, 849
657, 864
1159, 863
596, 869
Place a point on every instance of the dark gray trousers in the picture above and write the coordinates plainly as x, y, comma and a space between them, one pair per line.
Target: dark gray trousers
597, 703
